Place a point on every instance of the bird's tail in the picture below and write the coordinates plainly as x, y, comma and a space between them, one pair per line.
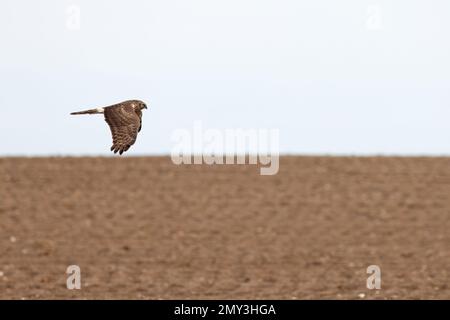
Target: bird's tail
91, 111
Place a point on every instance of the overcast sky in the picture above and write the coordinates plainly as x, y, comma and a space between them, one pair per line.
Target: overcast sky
336, 77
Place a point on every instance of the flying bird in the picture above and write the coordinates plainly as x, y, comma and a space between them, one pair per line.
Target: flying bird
124, 120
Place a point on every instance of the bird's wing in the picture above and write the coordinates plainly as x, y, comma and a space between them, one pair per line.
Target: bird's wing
124, 124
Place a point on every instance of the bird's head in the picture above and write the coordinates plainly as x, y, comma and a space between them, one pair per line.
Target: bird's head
142, 105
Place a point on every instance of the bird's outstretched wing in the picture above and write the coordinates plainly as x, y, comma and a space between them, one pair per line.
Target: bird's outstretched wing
124, 124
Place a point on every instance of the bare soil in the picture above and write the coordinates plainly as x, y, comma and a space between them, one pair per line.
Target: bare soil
144, 228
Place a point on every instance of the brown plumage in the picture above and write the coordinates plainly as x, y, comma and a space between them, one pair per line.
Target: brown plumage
124, 120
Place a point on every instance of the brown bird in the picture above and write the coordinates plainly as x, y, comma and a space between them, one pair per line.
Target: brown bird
124, 120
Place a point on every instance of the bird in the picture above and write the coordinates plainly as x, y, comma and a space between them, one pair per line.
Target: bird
124, 120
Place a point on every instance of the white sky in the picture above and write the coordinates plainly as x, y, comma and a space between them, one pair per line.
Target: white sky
349, 76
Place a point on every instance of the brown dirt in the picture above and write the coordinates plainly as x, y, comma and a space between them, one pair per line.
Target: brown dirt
143, 228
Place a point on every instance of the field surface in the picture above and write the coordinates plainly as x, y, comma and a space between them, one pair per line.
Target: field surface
144, 228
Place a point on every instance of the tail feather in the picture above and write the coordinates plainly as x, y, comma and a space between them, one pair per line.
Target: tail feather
91, 111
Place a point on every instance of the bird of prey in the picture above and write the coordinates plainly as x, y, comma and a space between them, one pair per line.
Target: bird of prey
124, 120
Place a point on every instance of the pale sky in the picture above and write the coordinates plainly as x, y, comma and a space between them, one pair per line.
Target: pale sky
335, 77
